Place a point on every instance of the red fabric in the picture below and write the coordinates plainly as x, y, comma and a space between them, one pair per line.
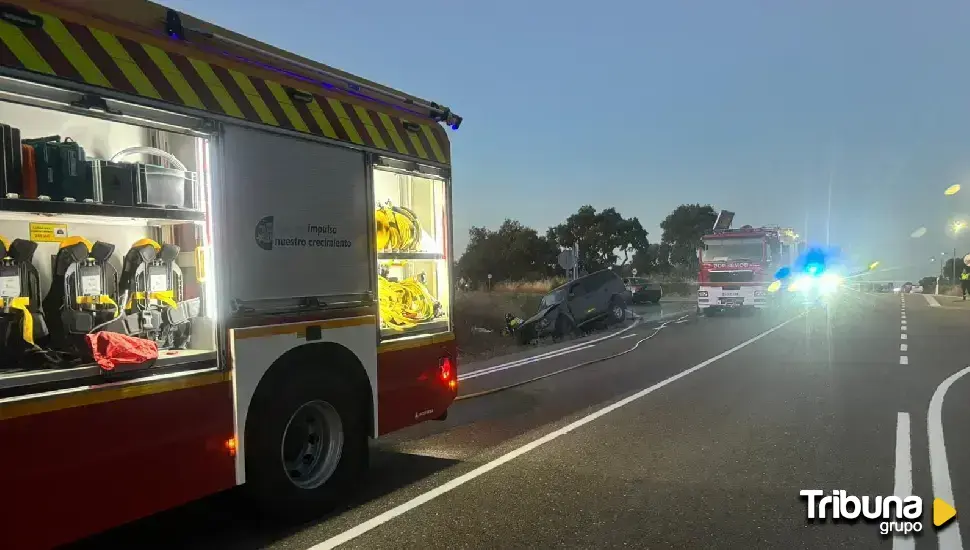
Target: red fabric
111, 349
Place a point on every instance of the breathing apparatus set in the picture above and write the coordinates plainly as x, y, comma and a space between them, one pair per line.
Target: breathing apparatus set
21, 320
88, 295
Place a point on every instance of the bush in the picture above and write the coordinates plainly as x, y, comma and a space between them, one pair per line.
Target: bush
486, 310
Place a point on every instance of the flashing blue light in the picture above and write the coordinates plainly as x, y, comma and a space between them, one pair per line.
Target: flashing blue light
454, 126
783, 273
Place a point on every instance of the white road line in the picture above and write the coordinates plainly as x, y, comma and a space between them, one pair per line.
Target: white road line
903, 360
903, 486
628, 336
931, 300
547, 355
524, 361
405, 507
902, 328
902, 337
948, 537
903, 347
554, 353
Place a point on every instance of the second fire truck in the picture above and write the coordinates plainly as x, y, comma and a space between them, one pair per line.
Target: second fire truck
737, 266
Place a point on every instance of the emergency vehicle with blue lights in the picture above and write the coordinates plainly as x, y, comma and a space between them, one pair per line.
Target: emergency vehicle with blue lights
737, 266
221, 264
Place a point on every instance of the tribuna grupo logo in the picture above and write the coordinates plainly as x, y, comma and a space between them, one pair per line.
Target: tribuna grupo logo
894, 514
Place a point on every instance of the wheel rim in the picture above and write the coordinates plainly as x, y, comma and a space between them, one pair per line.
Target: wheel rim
618, 312
312, 444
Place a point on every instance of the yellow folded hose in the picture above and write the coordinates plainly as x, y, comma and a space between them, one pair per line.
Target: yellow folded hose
398, 229
405, 304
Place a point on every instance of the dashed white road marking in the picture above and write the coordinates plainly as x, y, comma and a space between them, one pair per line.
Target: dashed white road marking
903, 486
902, 328
948, 537
931, 300
903, 321
903, 347
628, 336
903, 359
423, 498
902, 336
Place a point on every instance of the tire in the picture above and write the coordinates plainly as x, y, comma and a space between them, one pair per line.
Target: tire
333, 439
617, 311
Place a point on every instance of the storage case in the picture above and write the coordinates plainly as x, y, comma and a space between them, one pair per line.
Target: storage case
10, 155
28, 187
166, 187
62, 173
160, 186
114, 182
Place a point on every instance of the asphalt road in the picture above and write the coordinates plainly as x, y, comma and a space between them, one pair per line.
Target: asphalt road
697, 434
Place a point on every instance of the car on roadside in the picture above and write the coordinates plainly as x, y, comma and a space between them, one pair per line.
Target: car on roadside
642, 291
577, 306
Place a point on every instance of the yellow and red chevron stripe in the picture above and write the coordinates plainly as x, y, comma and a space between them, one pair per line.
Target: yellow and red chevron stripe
150, 68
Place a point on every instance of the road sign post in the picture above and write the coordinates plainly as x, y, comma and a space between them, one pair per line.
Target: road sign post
489, 282
567, 261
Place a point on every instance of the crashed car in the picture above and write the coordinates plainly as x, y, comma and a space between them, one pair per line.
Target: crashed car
576, 307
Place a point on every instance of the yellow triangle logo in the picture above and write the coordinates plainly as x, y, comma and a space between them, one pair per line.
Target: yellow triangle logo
942, 512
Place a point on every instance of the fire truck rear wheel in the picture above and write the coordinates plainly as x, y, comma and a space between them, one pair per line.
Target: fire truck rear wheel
306, 446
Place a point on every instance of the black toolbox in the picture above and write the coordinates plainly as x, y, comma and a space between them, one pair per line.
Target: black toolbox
11, 173
115, 182
62, 172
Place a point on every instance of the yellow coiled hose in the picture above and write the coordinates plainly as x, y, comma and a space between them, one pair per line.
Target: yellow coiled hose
405, 304
397, 229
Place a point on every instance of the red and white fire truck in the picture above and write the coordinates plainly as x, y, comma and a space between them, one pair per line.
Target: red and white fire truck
220, 264
737, 266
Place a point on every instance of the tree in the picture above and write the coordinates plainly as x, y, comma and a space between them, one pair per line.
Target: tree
683, 229
948, 270
512, 253
928, 284
603, 237
655, 259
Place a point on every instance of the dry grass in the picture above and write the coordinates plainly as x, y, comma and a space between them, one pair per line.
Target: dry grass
951, 290
541, 286
487, 310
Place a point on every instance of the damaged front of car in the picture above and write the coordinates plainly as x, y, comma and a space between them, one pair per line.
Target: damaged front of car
544, 322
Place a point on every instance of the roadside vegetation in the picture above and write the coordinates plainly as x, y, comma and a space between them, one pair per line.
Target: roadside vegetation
523, 264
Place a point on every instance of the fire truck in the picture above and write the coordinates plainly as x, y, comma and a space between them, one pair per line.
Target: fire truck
221, 264
737, 266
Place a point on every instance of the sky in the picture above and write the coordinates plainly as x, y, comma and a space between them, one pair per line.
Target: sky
751, 106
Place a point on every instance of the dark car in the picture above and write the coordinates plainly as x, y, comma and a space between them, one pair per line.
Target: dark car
576, 306
641, 291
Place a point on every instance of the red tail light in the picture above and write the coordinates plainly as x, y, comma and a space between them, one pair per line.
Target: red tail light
446, 370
